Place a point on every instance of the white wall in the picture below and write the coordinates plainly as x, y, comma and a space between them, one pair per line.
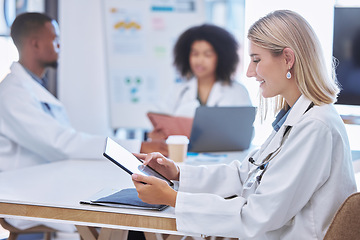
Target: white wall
83, 85
82, 80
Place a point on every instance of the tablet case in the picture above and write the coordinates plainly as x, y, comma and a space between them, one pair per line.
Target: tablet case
125, 198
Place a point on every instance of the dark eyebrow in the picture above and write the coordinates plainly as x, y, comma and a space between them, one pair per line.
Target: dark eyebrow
253, 54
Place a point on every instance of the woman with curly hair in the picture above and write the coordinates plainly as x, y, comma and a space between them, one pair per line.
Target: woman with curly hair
206, 57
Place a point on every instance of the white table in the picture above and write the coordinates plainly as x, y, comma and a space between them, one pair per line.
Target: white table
51, 192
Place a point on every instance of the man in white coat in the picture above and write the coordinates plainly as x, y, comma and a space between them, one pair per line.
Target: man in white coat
34, 127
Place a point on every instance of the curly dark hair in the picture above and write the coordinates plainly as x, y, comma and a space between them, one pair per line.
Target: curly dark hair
223, 42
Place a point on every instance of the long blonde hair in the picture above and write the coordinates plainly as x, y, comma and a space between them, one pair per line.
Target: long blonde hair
287, 29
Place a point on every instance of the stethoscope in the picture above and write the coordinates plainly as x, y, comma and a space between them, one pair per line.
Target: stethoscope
264, 163
182, 94
273, 154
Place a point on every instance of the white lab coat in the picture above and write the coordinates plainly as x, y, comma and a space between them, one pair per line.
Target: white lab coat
31, 135
299, 192
182, 99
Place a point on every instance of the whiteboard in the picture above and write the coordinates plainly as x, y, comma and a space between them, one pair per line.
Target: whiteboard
140, 35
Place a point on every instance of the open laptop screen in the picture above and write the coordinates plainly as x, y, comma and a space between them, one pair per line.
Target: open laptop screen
222, 129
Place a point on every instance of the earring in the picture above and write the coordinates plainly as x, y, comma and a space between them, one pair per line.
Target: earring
288, 74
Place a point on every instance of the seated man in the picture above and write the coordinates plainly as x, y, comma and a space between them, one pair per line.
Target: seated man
34, 127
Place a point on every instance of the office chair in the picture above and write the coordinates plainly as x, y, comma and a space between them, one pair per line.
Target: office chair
346, 222
15, 232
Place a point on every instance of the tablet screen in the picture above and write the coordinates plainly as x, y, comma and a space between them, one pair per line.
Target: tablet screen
128, 162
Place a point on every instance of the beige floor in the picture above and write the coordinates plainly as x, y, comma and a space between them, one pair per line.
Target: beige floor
4, 234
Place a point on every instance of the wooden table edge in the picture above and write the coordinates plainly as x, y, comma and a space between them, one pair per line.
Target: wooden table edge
93, 217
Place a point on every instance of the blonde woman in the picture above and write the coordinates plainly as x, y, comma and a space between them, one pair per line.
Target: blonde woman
291, 187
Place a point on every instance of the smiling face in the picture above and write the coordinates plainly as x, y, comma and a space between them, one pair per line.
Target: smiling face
203, 59
270, 71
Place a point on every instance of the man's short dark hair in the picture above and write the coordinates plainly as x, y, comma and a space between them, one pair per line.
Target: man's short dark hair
223, 42
26, 24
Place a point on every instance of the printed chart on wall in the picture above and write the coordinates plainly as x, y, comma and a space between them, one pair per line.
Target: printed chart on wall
140, 35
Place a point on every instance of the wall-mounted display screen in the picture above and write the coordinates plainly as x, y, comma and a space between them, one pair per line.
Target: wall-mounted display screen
346, 48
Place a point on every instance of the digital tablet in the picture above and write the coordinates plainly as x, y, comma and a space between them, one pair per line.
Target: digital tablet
128, 162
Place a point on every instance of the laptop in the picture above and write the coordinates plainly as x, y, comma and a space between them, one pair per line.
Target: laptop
218, 129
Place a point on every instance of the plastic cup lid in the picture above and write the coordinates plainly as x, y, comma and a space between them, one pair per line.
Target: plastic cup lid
177, 139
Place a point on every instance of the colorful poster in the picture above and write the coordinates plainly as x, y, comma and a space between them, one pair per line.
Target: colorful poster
140, 35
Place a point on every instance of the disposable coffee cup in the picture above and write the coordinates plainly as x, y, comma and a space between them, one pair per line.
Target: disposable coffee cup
177, 146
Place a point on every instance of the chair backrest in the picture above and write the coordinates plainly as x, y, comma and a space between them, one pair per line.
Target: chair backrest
346, 222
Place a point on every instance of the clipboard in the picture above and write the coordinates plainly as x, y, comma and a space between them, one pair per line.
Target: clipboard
171, 125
